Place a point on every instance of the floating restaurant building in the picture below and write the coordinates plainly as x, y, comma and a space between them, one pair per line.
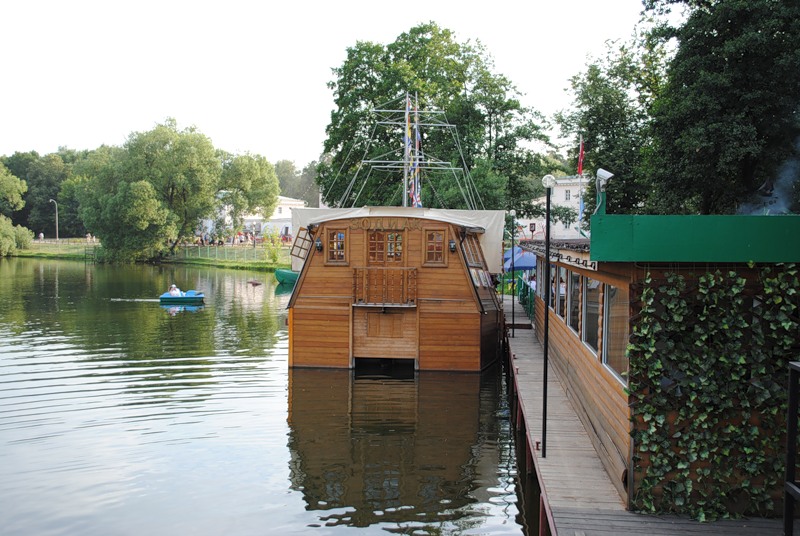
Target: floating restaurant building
672, 336
411, 284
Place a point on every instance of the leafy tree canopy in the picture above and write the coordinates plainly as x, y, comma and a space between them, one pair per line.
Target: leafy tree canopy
492, 133
612, 101
298, 184
11, 191
143, 197
727, 117
248, 184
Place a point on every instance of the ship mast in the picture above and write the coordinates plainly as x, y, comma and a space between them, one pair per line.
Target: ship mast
406, 148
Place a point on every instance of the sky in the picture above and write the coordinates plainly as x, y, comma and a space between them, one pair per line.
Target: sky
251, 75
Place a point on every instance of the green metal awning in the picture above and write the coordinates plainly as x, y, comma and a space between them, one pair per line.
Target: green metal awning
626, 238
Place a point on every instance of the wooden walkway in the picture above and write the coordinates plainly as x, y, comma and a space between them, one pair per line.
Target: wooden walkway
578, 498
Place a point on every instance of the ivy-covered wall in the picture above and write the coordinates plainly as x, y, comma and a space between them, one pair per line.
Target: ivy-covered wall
708, 389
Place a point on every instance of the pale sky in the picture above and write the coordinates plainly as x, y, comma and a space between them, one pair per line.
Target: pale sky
251, 75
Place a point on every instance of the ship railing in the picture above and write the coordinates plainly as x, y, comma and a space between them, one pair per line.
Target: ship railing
385, 286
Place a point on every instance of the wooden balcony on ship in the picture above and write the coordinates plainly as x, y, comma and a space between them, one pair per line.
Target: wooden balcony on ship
385, 287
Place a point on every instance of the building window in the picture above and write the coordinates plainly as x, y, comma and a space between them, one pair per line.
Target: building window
615, 330
566, 195
280, 210
337, 246
434, 247
553, 286
573, 304
591, 312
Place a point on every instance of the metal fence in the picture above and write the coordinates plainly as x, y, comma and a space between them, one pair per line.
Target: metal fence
243, 253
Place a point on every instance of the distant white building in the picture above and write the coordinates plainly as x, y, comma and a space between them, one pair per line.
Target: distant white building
280, 221
566, 193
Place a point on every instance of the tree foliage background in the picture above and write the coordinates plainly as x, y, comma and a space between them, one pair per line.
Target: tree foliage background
493, 138
140, 199
695, 117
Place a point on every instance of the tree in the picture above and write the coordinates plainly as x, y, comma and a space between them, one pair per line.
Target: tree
443, 74
613, 98
44, 178
182, 167
288, 177
130, 219
307, 186
12, 190
298, 184
70, 223
18, 164
727, 116
248, 184
161, 183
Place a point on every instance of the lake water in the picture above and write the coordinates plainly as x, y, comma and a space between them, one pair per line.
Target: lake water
118, 417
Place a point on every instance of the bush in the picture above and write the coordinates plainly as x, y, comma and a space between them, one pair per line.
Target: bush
7, 242
23, 237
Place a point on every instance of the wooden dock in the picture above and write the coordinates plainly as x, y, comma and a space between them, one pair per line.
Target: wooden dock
577, 496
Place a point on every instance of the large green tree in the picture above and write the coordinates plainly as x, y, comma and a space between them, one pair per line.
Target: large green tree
44, 178
18, 165
248, 184
727, 117
183, 168
12, 190
612, 102
161, 184
491, 126
298, 184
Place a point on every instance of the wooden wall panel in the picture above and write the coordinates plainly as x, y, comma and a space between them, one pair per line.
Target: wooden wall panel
449, 341
320, 337
596, 392
379, 334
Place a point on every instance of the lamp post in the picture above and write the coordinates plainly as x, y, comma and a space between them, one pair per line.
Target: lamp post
548, 181
56, 204
513, 276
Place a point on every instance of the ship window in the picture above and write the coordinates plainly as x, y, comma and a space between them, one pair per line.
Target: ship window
435, 246
615, 320
385, 247
473, 251
591, 311
377, 247
573, 303
337, 246
394, 247
562, 292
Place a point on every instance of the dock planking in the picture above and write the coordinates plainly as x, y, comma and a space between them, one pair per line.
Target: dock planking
578, 497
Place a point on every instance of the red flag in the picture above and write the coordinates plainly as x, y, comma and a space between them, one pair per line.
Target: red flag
580, 158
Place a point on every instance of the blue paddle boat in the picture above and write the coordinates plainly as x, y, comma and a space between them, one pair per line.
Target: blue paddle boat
190, 297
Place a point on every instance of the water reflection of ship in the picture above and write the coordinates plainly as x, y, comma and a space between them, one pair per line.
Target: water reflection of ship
377, 447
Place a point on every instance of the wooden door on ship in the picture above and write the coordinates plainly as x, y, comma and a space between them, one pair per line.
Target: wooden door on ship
385, 318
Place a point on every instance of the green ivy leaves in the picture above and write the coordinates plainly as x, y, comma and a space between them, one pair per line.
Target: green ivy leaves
708, 367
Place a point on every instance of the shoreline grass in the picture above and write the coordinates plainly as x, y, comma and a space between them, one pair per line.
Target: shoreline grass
78, 252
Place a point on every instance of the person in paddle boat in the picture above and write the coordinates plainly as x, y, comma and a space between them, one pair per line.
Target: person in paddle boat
174, 290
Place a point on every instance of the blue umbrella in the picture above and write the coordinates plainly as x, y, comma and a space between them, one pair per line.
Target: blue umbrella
523, 260
507, 253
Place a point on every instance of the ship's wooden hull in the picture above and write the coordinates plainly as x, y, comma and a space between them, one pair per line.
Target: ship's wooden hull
439, 310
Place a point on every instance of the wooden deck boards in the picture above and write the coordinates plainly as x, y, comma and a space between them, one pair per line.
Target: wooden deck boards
576, 489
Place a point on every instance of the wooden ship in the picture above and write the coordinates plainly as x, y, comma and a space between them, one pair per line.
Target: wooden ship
403, 283
397, 283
